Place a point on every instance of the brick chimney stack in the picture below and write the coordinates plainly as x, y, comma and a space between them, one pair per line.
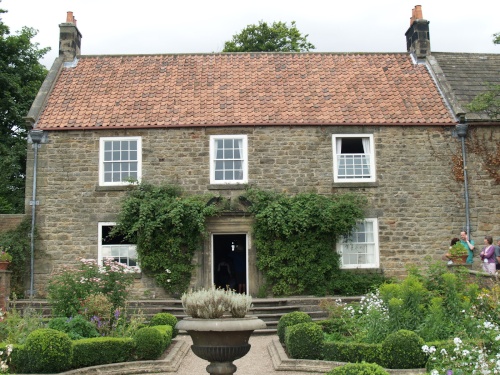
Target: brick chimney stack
70, 39
417, 36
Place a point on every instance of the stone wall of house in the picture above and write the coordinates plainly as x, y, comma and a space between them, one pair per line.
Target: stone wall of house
416, 199
9, 222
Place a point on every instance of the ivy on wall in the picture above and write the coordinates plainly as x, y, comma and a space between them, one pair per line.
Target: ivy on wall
168, 228
295, 238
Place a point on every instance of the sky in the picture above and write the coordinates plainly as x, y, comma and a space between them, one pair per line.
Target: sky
202, 26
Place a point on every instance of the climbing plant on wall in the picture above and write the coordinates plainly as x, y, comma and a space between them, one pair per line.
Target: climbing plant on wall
168, 228
295, 237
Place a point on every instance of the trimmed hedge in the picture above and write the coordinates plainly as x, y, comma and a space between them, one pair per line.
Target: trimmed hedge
101, 351
342, 351
48, 351
149, 343
403, 350
162, 319
359, 369
304, 341
166, 332
291, 319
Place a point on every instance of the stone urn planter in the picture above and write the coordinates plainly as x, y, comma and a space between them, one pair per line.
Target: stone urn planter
220, 341
218, 338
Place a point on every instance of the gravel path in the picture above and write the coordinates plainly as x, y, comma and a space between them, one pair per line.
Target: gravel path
256, 362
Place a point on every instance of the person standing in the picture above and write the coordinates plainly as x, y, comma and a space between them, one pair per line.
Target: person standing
497, 254
488, 255
469, 245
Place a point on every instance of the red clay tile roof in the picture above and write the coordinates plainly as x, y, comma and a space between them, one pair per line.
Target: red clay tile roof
243, 89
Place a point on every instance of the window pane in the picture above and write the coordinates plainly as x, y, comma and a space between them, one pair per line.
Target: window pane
108, 156
116, 145
228, 154
107, 146
228, 143
228, 175
116, 155
124, 155
219, 175
133, 155
124, 145
133, 145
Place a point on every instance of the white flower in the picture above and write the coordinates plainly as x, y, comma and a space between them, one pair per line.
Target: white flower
457, 341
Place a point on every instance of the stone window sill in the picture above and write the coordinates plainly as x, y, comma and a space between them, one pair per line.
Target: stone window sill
227, 187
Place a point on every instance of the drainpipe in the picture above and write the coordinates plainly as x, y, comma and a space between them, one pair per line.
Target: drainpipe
461, 128
36, 137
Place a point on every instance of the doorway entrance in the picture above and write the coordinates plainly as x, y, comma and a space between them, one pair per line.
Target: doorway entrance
230, 261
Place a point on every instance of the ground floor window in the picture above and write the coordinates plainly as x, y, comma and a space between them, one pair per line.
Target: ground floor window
115, 247
360, 249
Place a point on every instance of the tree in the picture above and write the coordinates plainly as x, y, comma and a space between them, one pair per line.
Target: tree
21, 75
264, 38
488, 101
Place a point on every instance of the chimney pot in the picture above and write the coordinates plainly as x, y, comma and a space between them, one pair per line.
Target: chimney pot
69, 38
417, 36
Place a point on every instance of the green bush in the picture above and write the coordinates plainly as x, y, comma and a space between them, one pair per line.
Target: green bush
148, 343
342, 351
362, 368
101, 350
18, 360
166, 332
304, 341
48, 351
355, 283
403, 350
162, 319
76, 328
291, 319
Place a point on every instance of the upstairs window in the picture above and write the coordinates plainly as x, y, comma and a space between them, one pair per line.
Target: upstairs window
228, 159
360, 249
120, 160
353, 158
115, 247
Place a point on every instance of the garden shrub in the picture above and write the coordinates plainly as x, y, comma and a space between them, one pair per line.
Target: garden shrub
403, 350
362, 368
304, 341
162, 319
351, 283
76, 328
18, 360
148, 343
342, 351
102, 350
291, 319
166, 332
73, 284
48, 351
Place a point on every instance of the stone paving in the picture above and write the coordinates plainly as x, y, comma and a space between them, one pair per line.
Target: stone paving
257, 362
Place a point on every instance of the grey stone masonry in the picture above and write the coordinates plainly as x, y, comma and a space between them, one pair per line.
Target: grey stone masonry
418, 203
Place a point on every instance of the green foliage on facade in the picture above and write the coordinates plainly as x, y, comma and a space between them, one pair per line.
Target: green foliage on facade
295, 237
17, 242
168, 228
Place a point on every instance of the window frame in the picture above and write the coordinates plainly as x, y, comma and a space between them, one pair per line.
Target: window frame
376, 244
100, 258
102, 142
213, 150
371, 155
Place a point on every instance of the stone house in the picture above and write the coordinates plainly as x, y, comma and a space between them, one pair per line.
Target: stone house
372, 123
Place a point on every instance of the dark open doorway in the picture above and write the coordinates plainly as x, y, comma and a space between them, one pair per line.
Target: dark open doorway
230, 261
